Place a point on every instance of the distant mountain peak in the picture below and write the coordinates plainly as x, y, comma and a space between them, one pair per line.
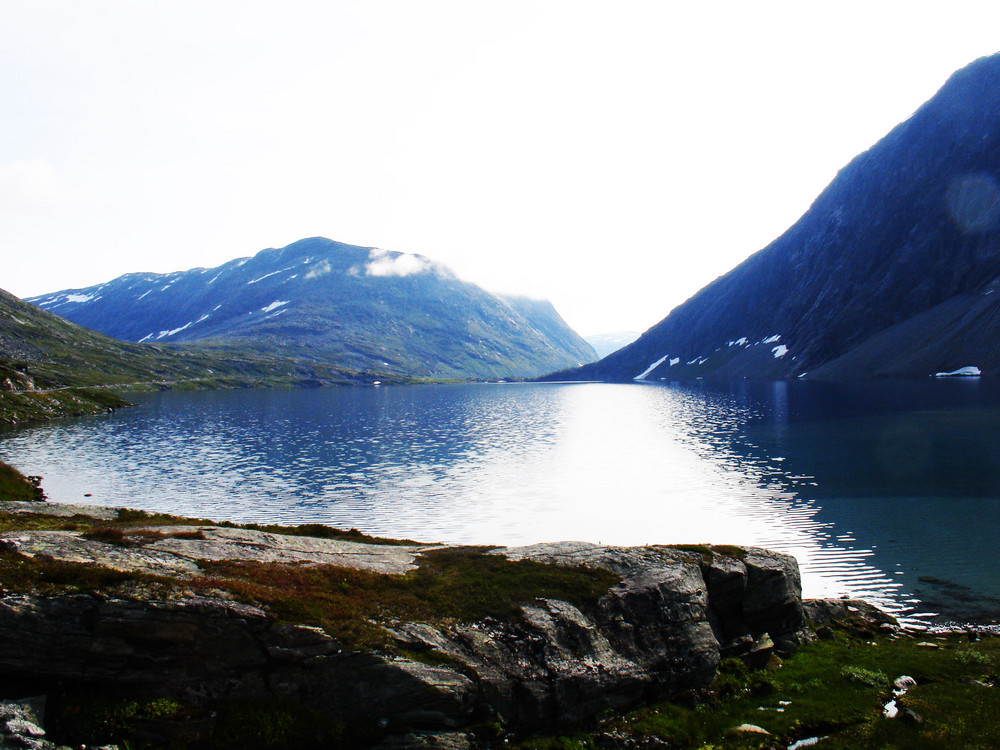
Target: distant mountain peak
358, 307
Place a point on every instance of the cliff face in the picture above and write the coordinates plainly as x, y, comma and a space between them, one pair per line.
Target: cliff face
662, 628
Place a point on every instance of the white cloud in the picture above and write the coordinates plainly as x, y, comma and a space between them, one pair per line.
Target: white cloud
320, 269
384, 263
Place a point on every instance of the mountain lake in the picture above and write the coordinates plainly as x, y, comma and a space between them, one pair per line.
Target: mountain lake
886, 490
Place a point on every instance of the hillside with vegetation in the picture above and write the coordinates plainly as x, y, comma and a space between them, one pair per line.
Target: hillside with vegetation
50, 367
358, 308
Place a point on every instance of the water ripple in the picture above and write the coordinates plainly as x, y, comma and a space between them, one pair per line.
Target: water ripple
519, 464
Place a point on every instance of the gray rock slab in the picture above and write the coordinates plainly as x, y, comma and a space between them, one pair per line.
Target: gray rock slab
178, 556
264, 547
62, 510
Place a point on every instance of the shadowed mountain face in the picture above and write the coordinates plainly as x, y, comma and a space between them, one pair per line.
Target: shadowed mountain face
359, 308
891, 272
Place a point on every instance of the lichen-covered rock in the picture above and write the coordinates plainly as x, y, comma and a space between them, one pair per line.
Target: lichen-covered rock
663, 627
847, 611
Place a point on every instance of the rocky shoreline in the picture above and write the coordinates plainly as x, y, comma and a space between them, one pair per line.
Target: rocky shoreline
671, 615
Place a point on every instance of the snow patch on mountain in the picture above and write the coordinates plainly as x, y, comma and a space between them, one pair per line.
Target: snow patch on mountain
961, 372
642, 375
269, 275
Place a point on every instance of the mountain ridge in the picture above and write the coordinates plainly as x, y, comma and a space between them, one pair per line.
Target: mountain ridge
909, 227
356, 307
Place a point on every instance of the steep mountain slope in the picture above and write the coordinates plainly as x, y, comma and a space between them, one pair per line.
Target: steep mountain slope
51, 367
360, 308
891, 272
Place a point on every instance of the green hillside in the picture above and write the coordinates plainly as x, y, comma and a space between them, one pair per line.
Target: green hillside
50, 367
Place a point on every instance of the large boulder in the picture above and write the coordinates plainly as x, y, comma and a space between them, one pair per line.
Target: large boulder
662, 628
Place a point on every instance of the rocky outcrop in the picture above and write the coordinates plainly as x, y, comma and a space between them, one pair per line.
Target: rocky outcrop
662, 628
21, 727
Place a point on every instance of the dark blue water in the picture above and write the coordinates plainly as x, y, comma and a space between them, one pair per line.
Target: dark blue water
884, 490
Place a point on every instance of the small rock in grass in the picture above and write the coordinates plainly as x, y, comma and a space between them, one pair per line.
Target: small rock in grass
749, 729
903, 682
911, 717
23, 728
928, 644
974, 683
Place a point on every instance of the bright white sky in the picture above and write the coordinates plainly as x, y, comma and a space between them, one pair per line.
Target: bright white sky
613, 157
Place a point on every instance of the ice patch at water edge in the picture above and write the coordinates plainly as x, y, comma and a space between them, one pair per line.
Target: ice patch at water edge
779, 351
961, 372
642, 375
275, 305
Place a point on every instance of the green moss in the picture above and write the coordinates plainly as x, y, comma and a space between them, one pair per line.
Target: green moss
463, 584
870, 677
130, 516
833, 689
132, 723
322, 531
41, 522
41, 575
286, 725
131, 537
15, 486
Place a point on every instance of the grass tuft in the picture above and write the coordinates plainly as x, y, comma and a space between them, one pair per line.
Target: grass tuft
126, 537
15, 486
450, 585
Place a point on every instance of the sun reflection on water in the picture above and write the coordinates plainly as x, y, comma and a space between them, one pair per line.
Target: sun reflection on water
489, 464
